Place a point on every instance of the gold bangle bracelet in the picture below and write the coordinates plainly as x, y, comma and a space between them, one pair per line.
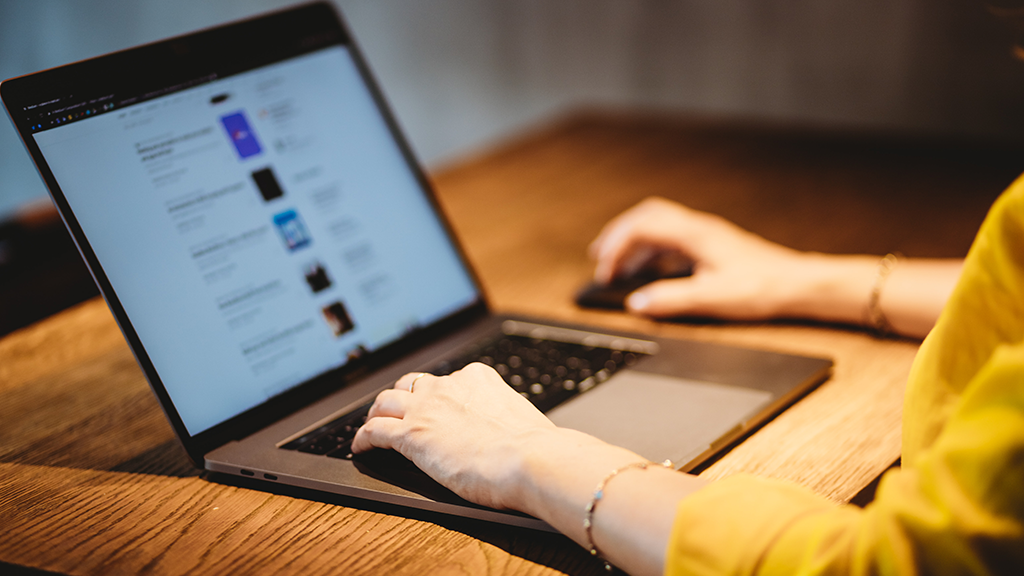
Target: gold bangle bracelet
874, 316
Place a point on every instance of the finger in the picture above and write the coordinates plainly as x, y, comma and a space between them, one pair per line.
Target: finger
612, 231
640, 235
410, 380
390, 403
622, 243
596, 244
380, 432
638, 257
625, 219
670, 298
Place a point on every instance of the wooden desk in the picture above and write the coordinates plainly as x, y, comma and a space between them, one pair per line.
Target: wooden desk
91, 479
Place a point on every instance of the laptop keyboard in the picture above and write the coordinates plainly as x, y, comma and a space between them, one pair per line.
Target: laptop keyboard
547, 372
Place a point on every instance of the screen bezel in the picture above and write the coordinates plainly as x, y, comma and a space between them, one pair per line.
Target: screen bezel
159, 68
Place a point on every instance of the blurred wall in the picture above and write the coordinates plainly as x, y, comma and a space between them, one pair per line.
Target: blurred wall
462, 73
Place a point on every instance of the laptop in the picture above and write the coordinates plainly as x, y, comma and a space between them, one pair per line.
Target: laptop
275, 257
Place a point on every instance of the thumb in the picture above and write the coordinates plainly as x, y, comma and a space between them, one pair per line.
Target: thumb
674, 297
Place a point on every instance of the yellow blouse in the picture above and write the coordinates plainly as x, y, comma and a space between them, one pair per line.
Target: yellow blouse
957, 504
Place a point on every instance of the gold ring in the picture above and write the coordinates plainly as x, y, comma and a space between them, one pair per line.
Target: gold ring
413, 383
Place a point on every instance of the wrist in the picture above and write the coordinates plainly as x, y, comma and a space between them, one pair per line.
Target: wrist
829, 288
554, 480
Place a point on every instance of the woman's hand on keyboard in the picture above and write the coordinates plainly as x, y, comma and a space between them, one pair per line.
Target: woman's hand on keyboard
469, 431
474, 434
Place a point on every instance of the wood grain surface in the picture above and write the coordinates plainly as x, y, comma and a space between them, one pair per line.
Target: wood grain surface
92, 480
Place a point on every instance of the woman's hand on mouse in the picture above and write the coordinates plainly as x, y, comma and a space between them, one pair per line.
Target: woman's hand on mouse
736, 274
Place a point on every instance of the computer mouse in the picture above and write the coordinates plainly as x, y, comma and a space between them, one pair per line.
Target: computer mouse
613, 295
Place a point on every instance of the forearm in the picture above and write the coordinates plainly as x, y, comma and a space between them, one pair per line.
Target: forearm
916, 292
838, 289
632, 521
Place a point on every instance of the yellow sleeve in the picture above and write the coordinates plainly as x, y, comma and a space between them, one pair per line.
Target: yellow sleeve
957, 506
960, 510
985, 311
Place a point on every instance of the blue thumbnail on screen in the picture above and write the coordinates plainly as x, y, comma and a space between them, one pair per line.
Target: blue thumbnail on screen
241, 134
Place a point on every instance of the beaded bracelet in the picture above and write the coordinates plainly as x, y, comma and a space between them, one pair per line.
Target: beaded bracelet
588, 518
876, 319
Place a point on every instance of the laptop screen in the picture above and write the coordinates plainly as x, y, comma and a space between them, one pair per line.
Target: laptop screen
259, 229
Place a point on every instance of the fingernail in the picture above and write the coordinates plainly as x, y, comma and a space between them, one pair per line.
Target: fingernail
638, 301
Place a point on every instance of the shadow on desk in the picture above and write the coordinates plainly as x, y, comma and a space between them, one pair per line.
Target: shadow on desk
15, 570
167, 459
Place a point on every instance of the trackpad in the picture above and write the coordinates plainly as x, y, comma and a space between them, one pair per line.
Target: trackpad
660, 416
